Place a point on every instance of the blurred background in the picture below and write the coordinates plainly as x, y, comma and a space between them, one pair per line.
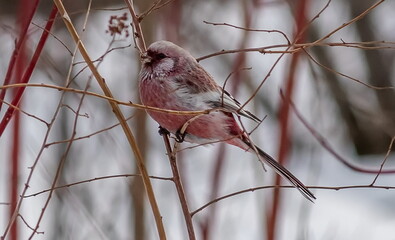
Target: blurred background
341, 88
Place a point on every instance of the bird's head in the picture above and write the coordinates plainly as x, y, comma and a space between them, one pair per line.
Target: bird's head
164, 58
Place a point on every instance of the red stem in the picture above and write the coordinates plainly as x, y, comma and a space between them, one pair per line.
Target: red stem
14, 175
17, 62
14, 161
285, 143
27, 74
209, 224
26, 18
18, 94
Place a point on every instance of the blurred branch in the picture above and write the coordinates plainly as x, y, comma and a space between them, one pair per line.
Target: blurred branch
35, 162
344, 75
364, 13
60, 166
378, 65
28, 72
327, 146
238, 77
119, 115
19, 43
285, 142
15, 102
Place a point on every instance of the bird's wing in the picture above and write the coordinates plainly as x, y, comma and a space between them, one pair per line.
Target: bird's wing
228, 102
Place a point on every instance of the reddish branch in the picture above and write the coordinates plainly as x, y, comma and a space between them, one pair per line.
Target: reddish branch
28, 72
208, 225
180, 190
16, 100
327, 146
22, 36
285, 142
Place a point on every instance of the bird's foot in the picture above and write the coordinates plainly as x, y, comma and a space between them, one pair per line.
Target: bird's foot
163, 131
180, 136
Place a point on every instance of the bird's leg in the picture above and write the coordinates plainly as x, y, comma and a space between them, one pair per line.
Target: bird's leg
163, 131
180, 136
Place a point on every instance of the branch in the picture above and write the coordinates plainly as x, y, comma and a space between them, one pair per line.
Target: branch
15, 102
93, 180
110, 99
119, 115
349, 22
137, 32
28, 72
21, 39
344, 75
290, 187
177, 181
327, 146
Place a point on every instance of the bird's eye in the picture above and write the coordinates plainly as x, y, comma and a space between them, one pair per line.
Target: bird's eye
161, 56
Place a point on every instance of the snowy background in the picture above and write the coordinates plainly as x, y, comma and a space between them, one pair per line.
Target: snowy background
111, 208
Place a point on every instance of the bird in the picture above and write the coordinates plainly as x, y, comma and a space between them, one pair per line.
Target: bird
171, 79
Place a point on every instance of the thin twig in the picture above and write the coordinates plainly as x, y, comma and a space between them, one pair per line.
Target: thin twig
137, 32
87, 136
154, 7
28, 72
289, 187
250, 29
110, 99
263, 81
15, 102
384, 161
300, 46
68, 147
344, 75
54, 36
93, 180
23, 220
16, 51
349, 22
303, 30
24, 112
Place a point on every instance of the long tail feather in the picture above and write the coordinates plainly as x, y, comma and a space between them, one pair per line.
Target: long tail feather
282, 171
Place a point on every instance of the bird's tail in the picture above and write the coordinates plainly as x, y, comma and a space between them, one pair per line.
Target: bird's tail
282, 171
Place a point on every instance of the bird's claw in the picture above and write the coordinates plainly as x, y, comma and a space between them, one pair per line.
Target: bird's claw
163, 131
180, 136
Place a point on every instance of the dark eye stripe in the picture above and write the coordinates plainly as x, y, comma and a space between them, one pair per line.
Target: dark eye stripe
161, 55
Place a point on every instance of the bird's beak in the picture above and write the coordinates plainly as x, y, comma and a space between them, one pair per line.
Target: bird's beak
145, 58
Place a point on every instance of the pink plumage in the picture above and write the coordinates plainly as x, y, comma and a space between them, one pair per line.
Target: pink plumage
172, 79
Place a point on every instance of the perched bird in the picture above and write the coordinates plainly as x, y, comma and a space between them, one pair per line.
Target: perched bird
171, 79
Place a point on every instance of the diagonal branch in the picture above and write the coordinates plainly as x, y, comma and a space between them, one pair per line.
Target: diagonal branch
117, 111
